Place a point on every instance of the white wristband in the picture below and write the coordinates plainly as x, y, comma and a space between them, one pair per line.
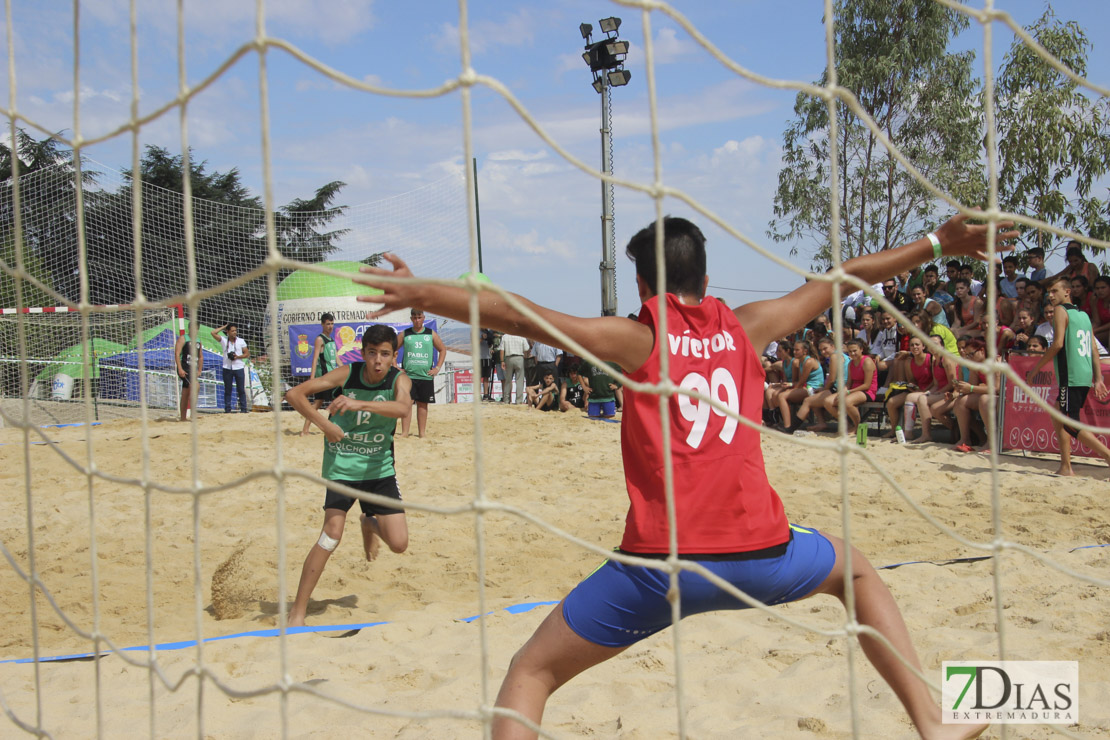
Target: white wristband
936, 244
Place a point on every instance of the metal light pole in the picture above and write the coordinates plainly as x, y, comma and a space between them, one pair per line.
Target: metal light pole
606, 61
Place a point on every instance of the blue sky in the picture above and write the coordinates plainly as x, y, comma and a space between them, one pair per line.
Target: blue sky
541, 234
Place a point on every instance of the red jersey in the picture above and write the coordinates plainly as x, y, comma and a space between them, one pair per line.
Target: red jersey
723, 500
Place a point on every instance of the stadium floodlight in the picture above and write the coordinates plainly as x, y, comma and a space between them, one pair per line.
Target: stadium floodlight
616, 48
619, 77
606, 61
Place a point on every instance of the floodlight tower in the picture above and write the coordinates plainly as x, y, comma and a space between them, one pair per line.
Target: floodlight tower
606, 61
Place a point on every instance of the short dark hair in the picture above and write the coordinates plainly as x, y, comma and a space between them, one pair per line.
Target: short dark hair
683, 256
1082, 280
326, 317
953, 263
1035, 252
931, 268
232, 325
1022, 279
379, 334
1010, 260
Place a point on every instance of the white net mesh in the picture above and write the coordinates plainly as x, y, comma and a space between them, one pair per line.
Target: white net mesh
181, 685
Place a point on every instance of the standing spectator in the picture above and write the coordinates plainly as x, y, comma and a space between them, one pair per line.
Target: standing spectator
234, 350
1077, 371
324, 360
1007, 281
1035, 258
485, 353
497, 361
1100, 310
189, 357
421, 364
546, 357
513, 349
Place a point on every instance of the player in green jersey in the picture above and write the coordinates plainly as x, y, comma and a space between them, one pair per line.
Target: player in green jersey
420, 345
358, 452
1077, 370
324, 360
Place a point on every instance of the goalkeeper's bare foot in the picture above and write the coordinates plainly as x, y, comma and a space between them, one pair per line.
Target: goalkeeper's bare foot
370, 541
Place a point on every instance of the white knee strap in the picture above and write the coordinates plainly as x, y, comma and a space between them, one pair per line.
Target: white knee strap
326, 543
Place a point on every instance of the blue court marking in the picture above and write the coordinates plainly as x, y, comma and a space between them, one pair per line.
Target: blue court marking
75, 424
514, 609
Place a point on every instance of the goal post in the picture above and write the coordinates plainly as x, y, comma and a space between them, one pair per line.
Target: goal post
120, 357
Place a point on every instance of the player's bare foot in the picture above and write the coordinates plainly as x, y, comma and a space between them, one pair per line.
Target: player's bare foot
1065, 471
370, 541
294, 621
306, 432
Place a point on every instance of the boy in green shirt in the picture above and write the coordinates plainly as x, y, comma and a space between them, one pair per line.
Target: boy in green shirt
324, 360
1077, 369
358, 452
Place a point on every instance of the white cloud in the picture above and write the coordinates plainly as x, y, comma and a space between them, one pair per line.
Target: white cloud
512, 31
517, 155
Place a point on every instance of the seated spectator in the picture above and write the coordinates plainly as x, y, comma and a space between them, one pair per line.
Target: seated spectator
1034, 257
968, 311
1100, 310
1038, 345
885, 343
834, 370
971, 398
897, 298
930, 402
544, 395
780, 376
863, 381
922, 302
1080, 294
574, 393
924, 321
867, 328
1046, 328
808, 378
968, 274
930, 278
1034, 300
918, 376
1077, 265
1024, 330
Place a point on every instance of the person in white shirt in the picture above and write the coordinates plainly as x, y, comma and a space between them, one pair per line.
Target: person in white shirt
235, 350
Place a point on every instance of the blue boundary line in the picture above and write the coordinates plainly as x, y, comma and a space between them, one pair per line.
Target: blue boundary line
513, 609
274, 632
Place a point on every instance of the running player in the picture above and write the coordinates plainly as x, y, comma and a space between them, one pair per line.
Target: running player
324, 360
1077, 369
729, 519
420, 345
358, 452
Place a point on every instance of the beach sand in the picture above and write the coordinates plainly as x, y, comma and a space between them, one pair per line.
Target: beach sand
211, 567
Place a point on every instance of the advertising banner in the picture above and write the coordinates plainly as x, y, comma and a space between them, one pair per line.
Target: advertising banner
464, 386
1026, 426
348, 342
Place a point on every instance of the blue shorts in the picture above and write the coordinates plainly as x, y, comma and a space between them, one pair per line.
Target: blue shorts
618, 605
602, 408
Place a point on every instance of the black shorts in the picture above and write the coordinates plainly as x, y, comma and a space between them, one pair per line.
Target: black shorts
1071, 400
185, 380
423, 391
487, 368
327, 396
381, 486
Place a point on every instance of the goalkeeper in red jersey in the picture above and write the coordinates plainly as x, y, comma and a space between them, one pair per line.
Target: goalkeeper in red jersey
729, 518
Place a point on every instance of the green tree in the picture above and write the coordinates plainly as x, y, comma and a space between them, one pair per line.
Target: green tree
894, 59
1053, 138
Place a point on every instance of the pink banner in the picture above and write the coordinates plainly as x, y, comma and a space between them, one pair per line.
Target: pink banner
464, 386
1026, 426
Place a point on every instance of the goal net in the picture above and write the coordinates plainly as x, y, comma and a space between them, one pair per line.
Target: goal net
68, 368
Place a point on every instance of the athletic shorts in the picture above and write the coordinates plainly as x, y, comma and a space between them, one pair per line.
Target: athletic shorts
869, 395
381, 486
423, 391
618, 605
601, 408
1071, 400
487, 368
185, 380
327, 396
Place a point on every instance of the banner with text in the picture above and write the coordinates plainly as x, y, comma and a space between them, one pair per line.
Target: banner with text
348, 342
1026, 426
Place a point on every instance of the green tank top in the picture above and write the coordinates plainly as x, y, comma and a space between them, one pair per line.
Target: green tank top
600, 392
328, 360
1073, 362
366, 452
419, 350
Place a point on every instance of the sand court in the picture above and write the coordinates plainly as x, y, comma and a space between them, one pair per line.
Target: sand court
213, 565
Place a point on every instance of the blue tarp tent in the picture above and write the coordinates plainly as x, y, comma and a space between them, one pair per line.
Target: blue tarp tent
119, 379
